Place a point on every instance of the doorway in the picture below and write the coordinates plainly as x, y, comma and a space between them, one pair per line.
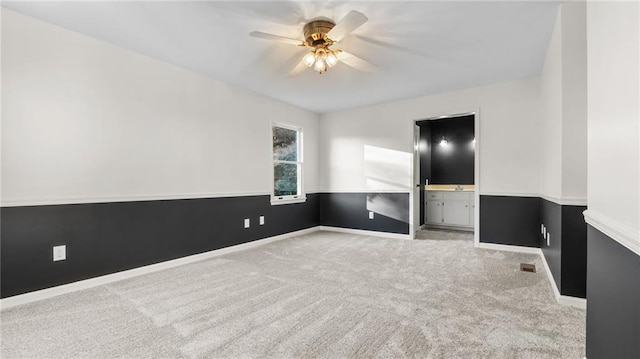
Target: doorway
446, 174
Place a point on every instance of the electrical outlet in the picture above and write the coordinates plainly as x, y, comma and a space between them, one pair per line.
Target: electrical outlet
59, 253
542, 228
262, 220
370, 215
548, 239
247, 223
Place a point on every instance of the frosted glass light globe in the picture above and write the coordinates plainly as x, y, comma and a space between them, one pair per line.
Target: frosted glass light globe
332, 60
309, 59
320, 65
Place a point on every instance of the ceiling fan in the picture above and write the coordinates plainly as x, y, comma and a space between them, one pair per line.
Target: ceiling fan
320, 35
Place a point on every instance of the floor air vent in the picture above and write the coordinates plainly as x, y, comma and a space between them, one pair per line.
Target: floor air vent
525, 267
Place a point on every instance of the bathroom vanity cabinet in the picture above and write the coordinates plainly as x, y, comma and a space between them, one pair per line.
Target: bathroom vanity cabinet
450, 208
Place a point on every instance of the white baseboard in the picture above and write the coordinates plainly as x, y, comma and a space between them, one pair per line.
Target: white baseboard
556, 291
561, 299
575, 302
508, 248
364, 232
114, 277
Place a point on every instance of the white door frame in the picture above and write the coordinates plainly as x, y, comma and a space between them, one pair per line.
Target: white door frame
476, 167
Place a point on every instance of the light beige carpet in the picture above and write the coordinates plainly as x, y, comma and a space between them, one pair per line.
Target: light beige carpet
321, 295
441, 234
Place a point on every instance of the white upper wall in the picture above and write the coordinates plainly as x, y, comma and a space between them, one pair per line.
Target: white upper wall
574, 100
563, 107
613, 48
508, 139
551, 116
86, 121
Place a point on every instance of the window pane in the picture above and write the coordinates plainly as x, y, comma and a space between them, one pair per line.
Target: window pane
285, 179
285, 144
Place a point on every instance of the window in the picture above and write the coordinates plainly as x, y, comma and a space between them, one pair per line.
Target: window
287, 164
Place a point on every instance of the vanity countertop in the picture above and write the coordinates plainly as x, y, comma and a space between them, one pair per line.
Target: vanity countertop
450, 187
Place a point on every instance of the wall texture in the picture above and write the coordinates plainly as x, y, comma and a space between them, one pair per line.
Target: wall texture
563, 108
510, 220
507, 139
551, 115
127, 160
104, 238
574, 101
563, 167
369, 149
351, 210
613, 294
613, 112
613, 270
85, 121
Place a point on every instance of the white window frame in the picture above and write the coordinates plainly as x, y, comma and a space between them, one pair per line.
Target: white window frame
301, 196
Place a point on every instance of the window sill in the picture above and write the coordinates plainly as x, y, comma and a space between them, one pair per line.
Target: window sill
276, 201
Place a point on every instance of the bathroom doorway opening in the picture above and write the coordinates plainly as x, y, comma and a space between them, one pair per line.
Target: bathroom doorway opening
446, 175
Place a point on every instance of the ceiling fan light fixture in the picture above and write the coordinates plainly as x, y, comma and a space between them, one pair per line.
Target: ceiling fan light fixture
332, 59
309, 59
321, 59
321, 53
320, 35
320, 65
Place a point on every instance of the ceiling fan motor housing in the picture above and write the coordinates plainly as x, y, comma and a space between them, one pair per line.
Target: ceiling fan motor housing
315, 32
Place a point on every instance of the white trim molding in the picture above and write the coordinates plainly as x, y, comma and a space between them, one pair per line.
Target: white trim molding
137, 198
575, 302
114, 277
364, 232
38, 295
619, 232
509, 194
554, 286
563, 201
299, 163
368, 190
508, 248
566, 201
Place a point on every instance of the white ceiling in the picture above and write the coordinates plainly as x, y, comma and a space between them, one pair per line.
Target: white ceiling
439, 46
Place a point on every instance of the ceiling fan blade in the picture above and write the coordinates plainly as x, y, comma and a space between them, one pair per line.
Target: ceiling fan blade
390, 46
352, 21
266, 36
356, 62
300, 67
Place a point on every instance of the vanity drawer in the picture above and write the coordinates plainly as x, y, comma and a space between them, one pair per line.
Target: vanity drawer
431, 195
457, 196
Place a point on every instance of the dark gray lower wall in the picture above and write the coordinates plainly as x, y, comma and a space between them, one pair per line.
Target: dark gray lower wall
510, 220
551, 217
574, 252
104, 238
516, 221
566, 253
613, 297
351, 210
